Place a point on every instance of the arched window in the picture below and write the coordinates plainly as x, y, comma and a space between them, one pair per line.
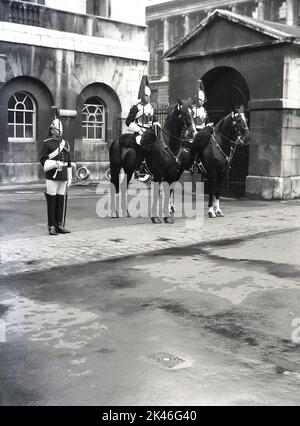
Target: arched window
21, 118
93, 120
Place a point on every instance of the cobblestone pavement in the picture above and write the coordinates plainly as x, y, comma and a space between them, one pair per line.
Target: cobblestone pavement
19, 255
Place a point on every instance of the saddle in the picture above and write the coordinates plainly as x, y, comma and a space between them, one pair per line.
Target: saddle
128, 141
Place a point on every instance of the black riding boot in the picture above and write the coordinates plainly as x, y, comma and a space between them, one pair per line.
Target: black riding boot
51, 206
139, 157
59, 215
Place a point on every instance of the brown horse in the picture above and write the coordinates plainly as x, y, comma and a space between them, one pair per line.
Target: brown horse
216, 153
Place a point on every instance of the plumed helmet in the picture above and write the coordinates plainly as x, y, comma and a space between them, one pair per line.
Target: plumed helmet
199, 94
57, 125
144, 88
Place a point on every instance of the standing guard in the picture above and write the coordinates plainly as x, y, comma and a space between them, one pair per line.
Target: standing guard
56, 161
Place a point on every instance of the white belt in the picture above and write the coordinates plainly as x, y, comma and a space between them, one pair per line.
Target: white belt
59, 170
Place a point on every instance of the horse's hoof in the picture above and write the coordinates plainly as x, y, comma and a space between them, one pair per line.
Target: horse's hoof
114, 215
219, 214
169, 220
155, 220
211, 215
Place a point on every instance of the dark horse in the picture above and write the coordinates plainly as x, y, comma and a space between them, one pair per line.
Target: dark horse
216, 153
160, 160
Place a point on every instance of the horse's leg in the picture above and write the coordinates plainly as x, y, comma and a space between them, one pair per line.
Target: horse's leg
217, 208
167, 194
114, 190
212, 183
155, 196
129, 167
171, 202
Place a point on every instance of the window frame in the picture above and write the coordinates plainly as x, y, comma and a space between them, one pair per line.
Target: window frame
85, 124
24, 124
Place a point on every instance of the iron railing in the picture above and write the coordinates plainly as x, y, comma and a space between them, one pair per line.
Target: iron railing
24, 13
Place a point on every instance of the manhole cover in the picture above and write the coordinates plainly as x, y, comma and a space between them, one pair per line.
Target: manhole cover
168, 361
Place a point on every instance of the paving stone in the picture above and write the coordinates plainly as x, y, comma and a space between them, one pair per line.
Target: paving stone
38, 253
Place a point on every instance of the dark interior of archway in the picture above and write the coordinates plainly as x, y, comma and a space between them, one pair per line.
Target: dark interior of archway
226, 88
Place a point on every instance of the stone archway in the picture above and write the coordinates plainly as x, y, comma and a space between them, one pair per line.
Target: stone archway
226, 88
19, 159
95, 153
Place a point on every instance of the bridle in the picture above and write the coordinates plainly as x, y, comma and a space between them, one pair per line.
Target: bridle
233, 143
186, 126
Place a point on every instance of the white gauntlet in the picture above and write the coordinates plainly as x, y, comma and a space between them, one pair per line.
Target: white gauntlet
50, 165
69, 176
135, 128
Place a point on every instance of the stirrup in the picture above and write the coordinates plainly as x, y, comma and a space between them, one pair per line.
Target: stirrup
194, 168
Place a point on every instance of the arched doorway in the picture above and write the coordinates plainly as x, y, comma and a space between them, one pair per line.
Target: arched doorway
25, 115
226, 88
98, 124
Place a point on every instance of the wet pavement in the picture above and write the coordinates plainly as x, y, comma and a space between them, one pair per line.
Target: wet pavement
135, 314
209, 325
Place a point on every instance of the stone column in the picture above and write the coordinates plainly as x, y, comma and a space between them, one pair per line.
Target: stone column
274, 166
290, 12
166, 45
261, 10
187, 26
234, 8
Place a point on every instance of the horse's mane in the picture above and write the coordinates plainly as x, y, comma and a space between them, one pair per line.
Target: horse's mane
171, 111
222, 120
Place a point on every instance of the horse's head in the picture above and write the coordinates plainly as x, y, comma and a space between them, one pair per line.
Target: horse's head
149, 138
240, 126
185, 115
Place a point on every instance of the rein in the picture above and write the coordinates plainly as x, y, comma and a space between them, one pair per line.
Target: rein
166, 147
171, 136
229, 158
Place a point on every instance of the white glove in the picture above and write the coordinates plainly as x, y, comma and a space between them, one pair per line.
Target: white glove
156, 123
69, 176
52, 164
135, 128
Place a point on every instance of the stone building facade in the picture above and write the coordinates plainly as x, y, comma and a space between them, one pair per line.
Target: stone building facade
169, 21
86, 57
256, 63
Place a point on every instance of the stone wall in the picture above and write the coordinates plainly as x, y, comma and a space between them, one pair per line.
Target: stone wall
272, 75
66, 78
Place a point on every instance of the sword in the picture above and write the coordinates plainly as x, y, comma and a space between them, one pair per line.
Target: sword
65, 207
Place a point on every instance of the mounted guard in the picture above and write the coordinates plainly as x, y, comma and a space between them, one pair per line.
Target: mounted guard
201, 120
56, 161
141, 117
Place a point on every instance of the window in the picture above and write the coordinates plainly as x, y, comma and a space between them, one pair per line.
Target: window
21, 118
160, 63
282, 11
99, 7
93, 120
